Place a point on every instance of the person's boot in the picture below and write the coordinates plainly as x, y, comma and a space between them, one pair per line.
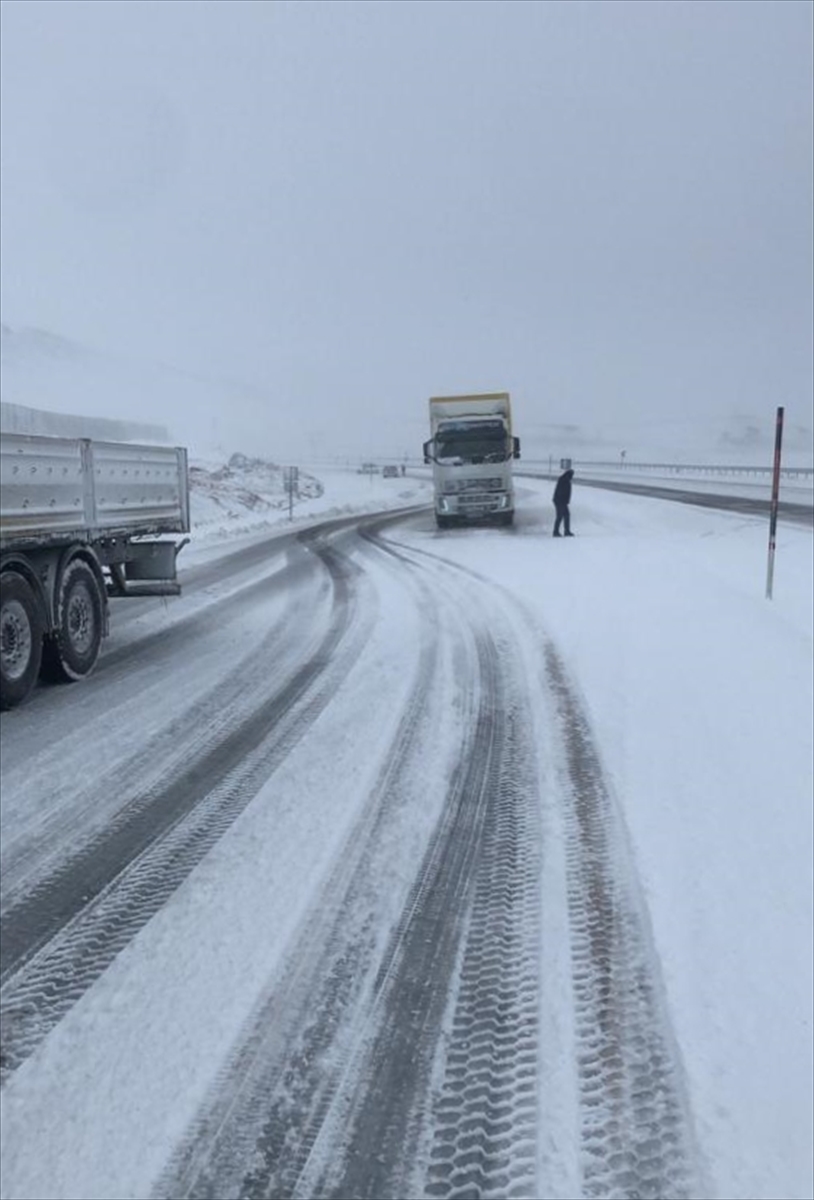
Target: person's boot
569, 534
556, 533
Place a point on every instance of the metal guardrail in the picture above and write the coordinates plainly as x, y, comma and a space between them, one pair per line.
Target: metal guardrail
624, 468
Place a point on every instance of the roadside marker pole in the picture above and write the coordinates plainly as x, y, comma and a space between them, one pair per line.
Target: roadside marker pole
291, 483
778, 441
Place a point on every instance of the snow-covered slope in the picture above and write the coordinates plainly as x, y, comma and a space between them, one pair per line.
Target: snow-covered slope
247, 495
63, 378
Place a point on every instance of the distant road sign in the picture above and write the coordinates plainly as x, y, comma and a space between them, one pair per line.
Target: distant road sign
291, 476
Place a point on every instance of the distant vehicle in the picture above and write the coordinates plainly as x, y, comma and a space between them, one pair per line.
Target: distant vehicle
471, 451
391, 471
368, 468
74, 516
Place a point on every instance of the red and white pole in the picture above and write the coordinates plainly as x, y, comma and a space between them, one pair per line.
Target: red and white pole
778, 441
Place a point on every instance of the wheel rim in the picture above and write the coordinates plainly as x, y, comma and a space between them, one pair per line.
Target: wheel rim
16, 641
80, 619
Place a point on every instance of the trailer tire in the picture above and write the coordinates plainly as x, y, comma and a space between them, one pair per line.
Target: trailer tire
71, 652
21, 630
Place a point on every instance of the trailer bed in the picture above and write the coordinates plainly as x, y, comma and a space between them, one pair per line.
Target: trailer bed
55, 490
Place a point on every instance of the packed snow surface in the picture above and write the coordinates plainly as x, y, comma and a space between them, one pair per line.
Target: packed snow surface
700, 695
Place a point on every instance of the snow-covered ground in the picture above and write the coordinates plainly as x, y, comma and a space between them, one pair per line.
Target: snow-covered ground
231, 503
701, 698
701, 694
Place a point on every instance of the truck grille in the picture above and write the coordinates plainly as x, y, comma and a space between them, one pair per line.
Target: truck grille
456, 486
485, 501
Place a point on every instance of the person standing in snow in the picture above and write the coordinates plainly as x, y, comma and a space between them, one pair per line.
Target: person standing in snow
562, 498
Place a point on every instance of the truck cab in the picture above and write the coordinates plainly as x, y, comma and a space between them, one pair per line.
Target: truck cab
471, 452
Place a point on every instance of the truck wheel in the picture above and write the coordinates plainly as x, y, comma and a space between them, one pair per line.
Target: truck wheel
21, 629
73, 650
442, 522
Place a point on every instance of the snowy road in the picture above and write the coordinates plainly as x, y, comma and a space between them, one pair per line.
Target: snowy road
322, 887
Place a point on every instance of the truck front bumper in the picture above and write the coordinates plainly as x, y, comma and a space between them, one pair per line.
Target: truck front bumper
473, 504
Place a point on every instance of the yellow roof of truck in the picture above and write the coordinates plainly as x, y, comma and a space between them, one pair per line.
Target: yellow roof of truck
500, 402
472, 396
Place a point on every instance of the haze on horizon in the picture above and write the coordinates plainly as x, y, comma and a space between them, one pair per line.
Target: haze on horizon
603, 207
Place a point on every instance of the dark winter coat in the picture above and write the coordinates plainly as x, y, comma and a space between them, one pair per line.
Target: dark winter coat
562, 492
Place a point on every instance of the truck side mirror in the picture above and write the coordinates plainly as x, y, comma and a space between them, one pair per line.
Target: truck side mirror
426, 449
516, 443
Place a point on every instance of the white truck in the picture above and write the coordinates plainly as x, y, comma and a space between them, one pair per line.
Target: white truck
80, 521
471, 451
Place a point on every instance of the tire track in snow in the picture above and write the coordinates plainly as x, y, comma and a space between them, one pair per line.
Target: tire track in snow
636, 1128
270, 1098
168, 774
225, 571
485, 1120
470, 930
365, 1145
85, 916
637, 1132
113, 792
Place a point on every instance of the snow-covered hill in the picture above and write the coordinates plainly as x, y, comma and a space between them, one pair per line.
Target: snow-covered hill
247, 495
62, 378
241, 491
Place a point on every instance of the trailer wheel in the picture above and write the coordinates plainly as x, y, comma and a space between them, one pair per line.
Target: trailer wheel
73, 650
21, 629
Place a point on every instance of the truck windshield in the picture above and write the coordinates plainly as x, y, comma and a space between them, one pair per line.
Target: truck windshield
457, 443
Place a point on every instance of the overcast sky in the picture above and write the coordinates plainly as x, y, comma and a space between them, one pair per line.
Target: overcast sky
605, 208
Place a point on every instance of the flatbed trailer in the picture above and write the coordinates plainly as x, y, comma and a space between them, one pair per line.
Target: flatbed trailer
80, 521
